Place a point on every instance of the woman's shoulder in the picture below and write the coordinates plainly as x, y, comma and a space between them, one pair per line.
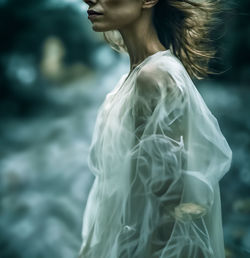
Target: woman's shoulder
164, 72
166, 63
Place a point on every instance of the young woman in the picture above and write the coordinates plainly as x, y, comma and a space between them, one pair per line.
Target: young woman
157, 151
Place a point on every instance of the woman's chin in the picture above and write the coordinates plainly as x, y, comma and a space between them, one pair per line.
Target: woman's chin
99, 28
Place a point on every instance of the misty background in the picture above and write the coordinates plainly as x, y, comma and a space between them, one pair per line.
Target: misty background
54, 74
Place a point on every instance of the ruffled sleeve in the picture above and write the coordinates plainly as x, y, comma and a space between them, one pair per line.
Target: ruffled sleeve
176, 164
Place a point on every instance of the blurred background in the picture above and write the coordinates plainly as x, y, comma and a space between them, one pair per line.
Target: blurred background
54, 74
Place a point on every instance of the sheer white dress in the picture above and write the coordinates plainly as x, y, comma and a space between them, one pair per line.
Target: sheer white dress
158, 155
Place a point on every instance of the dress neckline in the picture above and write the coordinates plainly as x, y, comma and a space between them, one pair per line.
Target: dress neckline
129, 74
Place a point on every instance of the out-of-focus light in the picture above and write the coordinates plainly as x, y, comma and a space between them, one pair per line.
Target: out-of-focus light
22, 69
104, 57
64, 2
26, 75
78, 5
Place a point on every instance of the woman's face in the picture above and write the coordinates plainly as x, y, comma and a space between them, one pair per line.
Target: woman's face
115, 14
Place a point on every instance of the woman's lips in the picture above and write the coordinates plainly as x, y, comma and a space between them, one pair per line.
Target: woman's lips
93, 12
93, 15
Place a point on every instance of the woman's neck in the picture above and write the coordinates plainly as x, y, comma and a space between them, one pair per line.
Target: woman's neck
141, 39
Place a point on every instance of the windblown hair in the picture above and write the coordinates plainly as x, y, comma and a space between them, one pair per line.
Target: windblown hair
185, 27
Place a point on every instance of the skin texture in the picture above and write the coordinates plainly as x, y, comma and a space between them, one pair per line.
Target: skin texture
133, 19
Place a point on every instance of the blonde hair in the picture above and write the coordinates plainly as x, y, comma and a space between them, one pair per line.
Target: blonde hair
184, 26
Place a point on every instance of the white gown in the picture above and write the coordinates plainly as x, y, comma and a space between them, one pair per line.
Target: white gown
157, 154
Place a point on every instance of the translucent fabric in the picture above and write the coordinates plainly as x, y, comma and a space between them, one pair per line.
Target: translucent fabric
158, 155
